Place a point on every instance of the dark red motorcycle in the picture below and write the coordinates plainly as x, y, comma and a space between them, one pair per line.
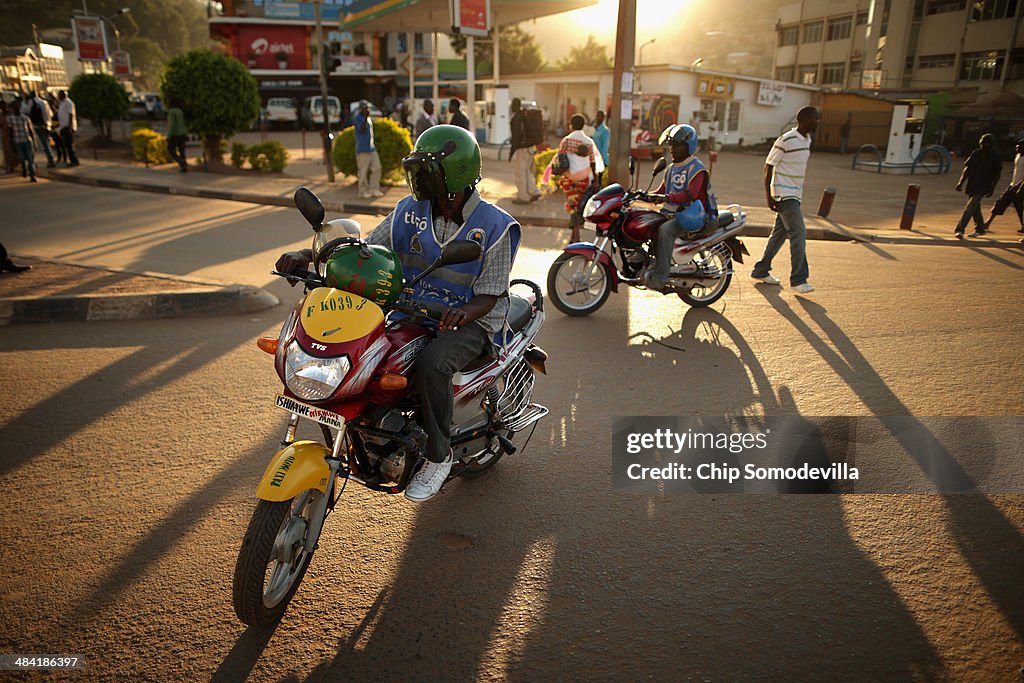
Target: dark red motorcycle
583, 275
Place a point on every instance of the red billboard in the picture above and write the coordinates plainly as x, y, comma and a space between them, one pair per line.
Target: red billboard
472, 17
90, 40
122, 65
268, 47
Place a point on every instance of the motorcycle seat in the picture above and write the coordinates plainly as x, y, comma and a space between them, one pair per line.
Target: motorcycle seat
725, 218
519, 312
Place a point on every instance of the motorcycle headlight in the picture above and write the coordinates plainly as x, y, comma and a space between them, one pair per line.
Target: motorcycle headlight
593, 204
311, 378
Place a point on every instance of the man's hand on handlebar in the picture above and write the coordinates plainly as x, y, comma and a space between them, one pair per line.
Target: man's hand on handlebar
294, 263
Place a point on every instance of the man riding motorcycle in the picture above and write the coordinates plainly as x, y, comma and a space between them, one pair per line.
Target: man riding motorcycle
689, 201
442, 173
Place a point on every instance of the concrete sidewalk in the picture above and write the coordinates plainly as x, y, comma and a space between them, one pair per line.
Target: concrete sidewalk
868, 206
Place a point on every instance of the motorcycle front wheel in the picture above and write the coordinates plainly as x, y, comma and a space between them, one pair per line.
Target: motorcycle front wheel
710, 260
577, 285
273, 558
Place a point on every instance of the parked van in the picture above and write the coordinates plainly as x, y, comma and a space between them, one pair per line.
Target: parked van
282, 111
312, 115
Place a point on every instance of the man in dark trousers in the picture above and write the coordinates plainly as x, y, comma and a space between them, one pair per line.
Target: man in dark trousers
521, 157
981, 173
457, 117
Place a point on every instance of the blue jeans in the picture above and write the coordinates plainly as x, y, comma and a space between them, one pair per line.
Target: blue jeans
43, 135
972, 210
789, 222
27, 155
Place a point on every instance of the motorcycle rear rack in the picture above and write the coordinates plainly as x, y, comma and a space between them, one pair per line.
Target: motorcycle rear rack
528, 416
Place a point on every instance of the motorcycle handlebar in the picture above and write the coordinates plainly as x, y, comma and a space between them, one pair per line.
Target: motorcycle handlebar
424, 309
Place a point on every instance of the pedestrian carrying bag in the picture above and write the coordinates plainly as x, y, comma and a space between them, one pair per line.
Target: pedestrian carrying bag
560, 164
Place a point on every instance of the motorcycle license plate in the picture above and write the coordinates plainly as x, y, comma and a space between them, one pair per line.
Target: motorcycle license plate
324, 417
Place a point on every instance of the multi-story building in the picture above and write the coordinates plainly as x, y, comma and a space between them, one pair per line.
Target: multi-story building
902, 45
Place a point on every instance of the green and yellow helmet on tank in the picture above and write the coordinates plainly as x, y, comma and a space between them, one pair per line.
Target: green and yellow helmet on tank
446, 160
369, 270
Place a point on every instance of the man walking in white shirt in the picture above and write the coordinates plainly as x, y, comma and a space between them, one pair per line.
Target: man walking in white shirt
68, 122
1013, 194
784, 172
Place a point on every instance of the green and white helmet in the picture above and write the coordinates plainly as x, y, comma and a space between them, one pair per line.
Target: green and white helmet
446, 160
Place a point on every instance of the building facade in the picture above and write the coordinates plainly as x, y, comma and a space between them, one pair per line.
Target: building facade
923, 45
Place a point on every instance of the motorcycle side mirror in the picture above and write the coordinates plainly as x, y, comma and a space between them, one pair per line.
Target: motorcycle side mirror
310, 207
459, 251
632, 166
659, 167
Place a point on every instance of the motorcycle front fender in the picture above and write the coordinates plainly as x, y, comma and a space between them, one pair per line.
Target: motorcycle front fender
294, 469
588, 250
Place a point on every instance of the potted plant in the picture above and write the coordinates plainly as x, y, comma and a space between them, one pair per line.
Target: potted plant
282, 59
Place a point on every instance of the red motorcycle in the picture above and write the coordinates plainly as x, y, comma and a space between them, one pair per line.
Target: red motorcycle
346, 366
583, 275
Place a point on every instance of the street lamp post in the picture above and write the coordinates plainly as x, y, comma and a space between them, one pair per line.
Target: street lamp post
639, 61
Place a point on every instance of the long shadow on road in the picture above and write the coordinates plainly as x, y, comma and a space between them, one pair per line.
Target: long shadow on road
551, 575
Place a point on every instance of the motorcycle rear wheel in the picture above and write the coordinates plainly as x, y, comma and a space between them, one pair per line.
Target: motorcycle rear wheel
272, 560
565, 277
484, 462
698, 296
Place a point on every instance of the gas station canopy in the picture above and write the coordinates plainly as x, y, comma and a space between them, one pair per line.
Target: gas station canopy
428, 16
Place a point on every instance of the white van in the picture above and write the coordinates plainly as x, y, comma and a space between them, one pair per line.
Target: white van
282, 110
312, 115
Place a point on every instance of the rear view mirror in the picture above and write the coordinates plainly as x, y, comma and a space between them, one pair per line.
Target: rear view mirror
460, 251
659, 167
310, 207
632, 166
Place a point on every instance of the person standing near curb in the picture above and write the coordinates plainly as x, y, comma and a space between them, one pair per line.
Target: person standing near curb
39, 114
980, 175
1014, 192
177, 134
367, 159
582, 179
784, 172
522, 156
68, 123
457, 118
24, 142
601, 136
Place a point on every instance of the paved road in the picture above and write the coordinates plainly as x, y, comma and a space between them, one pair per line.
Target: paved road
131, 451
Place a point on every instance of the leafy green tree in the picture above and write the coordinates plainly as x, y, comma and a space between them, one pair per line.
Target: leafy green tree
518, 50
216, 93
591, 55
100, 98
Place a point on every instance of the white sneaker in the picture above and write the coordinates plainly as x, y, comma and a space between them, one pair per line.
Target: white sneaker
805, 288
377, 193
428, 480
767, 280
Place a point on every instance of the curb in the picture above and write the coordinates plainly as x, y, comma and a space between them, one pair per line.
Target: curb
836, 233
185, 303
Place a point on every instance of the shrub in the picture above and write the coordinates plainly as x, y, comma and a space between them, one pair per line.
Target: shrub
149, 145
540, 162
392, 141
100, 98
267, 157
238, 154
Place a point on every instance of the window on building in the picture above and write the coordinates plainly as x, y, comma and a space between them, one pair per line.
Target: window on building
981, 66
812, 32
832, 74
936, 61
1016, 65
855, 68
839, 29
732, 121
808, 74
943, 6
784, 73
789, 35
862, 18
985, 10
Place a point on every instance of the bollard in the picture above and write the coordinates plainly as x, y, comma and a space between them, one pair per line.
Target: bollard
712, 158
827, 197
303, 144
910, 207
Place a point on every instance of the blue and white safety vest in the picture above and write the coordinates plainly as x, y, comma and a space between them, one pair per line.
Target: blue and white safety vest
414, 241
677, 179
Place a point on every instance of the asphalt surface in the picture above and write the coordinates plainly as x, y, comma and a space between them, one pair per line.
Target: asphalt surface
132, 449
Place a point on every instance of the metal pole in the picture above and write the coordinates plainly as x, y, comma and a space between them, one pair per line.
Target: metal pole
433, 93
328, 162
471, 83
621, 115
496, 59
410, 102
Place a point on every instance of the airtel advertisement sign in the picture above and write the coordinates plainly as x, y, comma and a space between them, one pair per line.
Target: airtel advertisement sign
267, 47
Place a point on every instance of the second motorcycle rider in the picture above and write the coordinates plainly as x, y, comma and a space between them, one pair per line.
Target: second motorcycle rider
691, 204
442, 173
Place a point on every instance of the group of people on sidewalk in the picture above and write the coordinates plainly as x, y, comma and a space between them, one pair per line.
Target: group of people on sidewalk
979, 179
32, 123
